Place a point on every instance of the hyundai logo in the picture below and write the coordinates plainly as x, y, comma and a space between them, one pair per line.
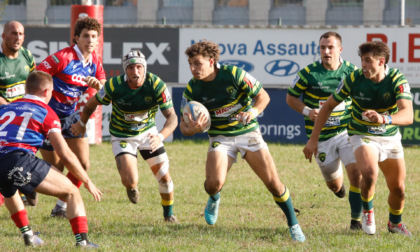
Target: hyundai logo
282, 67
239, 63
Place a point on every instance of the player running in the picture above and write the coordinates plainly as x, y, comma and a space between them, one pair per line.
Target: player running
74, 70
381, 102
317, 82
228, 92
136, 97
25, 123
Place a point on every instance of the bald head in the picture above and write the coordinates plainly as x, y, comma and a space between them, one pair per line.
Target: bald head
13, 36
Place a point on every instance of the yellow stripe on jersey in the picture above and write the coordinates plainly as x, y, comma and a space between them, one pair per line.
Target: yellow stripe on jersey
234, 70
189, 88
283, 198
229, 104
111, 84
396, 212
13, 84
156, 83
307, 69
316, 97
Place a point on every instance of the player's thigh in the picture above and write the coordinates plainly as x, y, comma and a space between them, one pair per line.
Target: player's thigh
262, 164
51, 157
366, 153
127, 166
394, 171
55, 184
80, 147
217, 165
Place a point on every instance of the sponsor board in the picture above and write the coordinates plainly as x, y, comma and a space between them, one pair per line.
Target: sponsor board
411, 133
277, 54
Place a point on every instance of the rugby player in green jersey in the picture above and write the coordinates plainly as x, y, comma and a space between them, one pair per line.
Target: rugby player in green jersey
136, 97
234, 99
317, 82
381, 102
16, 62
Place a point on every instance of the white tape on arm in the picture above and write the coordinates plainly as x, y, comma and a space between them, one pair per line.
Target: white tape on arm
306, 110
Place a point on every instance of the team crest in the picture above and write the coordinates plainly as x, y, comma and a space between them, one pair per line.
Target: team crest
148, 99
322, 156
365, 140
26, 68
215, 144
123, 144
387, 95
229, 90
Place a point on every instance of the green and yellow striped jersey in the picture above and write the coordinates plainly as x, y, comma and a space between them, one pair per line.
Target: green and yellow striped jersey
134, 110
228, 94
368, 95
316, 84
13, 73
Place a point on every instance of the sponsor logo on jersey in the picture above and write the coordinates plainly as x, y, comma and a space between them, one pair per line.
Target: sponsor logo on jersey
18, 178
404, 88
15, 91
239, 63
322, 156
250, 80
55, 59
281, 68
166, 96
78, 78
123, 144
227, 111
293, 84
137, 117
46, 64
230, 89
362, 97
215, 144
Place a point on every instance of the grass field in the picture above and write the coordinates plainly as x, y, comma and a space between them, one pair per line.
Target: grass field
248, 217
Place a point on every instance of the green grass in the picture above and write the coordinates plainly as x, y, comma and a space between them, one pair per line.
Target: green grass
248, 217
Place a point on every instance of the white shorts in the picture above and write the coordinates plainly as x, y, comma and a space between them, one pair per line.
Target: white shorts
131, 144
388, 147
251, 141
330, 153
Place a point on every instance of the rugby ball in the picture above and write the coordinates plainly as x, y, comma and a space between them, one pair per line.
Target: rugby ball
195, 109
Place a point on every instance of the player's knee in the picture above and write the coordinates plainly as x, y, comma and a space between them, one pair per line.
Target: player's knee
398, 190
213, 186
129, 181
166, 187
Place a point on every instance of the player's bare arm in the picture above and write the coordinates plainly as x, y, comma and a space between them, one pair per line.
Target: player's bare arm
169, 127
94, 83
80, 126
325, 112
193, 127
72, 163
3, 101
403, 117
297, 104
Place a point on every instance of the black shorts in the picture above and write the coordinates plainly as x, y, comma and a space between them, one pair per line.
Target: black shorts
21, 171
66, 123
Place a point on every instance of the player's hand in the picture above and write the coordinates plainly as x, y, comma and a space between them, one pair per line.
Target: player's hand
199, 125
155, 141
372, 116
244, 117
93, 190
93, 82
310, 149
77, 129
313, 114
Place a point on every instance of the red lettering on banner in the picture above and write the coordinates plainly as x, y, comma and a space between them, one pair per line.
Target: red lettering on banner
372, 36
412, 47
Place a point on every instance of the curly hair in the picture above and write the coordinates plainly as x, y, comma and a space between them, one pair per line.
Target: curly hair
377, 48
88, 23
204, 48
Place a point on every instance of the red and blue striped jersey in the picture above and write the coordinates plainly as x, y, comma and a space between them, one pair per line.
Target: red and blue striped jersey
69, 69
25, 123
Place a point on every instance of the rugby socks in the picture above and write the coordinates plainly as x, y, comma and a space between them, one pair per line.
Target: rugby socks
80, 228
167, 207
215, 197
395, 216
367, 203
284, 201
21, 221
355, 201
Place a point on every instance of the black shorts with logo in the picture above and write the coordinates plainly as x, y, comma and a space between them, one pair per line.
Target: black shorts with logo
21, 171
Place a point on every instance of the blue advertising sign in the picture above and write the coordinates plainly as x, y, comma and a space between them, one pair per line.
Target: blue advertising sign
278, 122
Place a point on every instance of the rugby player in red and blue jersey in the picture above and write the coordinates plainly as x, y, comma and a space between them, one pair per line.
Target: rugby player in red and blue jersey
25, 124
74, 69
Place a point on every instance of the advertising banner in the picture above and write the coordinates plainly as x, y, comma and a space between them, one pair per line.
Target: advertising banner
411, 134
274, 56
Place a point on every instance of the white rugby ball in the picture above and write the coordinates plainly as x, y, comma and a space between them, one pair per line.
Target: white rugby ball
195, 109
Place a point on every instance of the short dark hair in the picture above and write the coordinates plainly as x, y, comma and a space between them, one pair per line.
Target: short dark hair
88, 23
331, 34
204, 48
378, 48
37, 81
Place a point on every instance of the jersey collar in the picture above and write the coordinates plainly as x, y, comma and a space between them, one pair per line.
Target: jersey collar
81, 58
33, 97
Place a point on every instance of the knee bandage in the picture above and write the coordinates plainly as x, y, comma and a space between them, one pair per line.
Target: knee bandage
332, 170
162, 171
166, 187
